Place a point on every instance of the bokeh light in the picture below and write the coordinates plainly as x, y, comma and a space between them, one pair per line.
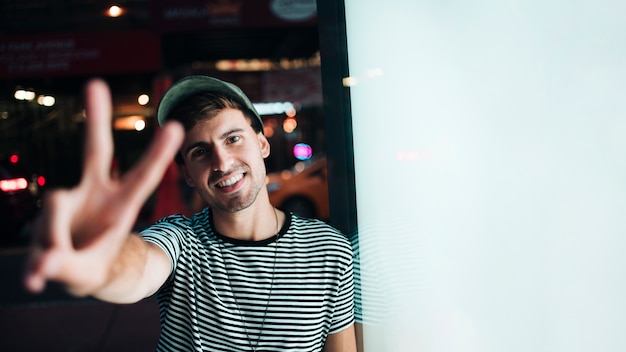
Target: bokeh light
302, 151
289, 125
143, 99
140, 125
115, 11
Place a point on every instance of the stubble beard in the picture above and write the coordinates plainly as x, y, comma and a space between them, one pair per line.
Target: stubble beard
237, 203
238, 200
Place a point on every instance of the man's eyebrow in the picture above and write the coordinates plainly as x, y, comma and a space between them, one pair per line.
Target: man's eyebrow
228, 133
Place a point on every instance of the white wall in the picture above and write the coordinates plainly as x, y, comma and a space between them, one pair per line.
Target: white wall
490, 155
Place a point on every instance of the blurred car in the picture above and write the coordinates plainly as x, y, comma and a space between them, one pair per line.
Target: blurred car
302, 189
20, 196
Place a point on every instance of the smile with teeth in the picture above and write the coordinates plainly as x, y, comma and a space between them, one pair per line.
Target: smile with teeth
231, 181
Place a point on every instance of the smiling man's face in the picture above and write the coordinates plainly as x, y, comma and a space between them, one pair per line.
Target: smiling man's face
224, 161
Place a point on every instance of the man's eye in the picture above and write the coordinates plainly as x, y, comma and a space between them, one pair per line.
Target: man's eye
198, 152
234, 139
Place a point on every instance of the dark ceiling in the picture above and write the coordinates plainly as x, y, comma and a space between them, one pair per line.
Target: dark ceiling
36, 17
62, 16
32, 17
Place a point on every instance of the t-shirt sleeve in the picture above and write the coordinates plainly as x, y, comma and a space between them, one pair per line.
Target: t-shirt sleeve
343, 315
168, 233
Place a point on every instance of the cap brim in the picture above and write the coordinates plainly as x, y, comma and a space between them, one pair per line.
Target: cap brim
193, 85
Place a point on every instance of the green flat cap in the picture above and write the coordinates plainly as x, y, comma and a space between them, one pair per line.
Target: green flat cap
193, 85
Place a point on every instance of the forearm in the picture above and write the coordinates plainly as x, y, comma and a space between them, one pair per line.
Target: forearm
128, 280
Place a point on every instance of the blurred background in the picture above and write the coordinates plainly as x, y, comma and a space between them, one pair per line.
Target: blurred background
49, 49
487, 140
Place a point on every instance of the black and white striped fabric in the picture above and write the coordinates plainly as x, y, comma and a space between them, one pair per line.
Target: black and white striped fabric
229, 295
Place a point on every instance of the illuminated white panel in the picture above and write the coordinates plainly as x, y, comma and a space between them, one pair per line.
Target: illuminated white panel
273, 108
491, 179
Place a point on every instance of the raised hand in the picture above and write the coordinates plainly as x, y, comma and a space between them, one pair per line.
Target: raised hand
81, 231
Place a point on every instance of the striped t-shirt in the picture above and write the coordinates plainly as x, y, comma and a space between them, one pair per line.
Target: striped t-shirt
272, 295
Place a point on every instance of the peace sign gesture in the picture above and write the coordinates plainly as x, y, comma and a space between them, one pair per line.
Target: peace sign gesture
82, 232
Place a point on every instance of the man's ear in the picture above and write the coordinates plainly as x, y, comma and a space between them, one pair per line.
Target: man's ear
264, 144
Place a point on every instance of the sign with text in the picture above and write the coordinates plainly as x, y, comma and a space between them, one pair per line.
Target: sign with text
79, 54
186, 15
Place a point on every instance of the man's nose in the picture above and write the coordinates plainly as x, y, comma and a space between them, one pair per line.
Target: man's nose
222, 160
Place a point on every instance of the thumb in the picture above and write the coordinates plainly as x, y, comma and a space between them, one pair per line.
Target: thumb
41, 266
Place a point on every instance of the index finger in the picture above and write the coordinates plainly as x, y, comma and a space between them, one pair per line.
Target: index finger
99, 140
141, 180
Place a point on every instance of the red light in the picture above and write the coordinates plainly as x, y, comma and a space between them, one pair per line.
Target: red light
41, 181
14, 158
13, 184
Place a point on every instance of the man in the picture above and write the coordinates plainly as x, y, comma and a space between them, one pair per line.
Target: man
240, 275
